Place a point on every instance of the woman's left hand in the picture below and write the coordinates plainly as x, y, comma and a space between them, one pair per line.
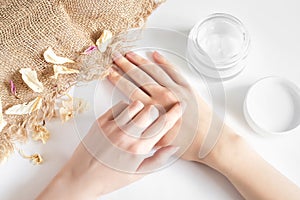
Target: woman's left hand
115, 152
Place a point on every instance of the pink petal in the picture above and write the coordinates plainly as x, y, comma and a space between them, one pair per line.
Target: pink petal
90, 50
13, 88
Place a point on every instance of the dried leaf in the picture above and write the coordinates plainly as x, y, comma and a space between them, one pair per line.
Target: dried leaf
25, 108
51, 57
2, 121
104, 40
40, 133
35, 159
58, 69
90, 50
29, 76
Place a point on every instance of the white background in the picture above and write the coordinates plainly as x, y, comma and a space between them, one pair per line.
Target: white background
275, 30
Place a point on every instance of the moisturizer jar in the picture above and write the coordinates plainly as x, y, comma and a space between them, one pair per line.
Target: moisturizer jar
218, 46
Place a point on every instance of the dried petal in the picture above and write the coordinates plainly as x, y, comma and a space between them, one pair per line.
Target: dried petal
80, 105
40, 133
66, 114
13, 88
2, 121
51, 57
72, 106
159, 1
25, 108
58, 69
90, 50
104, 41
35, 159
29, 76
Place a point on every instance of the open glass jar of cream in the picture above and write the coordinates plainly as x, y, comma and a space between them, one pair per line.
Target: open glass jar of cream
218, 46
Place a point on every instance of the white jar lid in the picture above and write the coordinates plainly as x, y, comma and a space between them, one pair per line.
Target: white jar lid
272, 106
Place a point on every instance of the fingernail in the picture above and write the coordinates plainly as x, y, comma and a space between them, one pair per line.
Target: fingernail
130, 53
138, 104
154, 113
113, 73
157, 55
183, 105
116, 55
174, 150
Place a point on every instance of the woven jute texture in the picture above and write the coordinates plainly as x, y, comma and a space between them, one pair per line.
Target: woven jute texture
29, 27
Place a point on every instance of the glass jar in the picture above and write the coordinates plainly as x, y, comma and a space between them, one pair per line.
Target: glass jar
218, 46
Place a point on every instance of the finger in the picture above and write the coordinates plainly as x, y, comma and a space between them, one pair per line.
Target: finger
114, 111
169, 137
127, 87
169, 69
128, 113
162, 125
159, 158
141, 121
156, 72
141, 78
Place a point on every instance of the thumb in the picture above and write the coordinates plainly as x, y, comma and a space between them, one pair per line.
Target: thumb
159, 158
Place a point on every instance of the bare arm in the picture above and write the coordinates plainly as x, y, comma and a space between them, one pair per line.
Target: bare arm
232, 156
253, 177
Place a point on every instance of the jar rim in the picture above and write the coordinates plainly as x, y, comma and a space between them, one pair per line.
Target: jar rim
233, 59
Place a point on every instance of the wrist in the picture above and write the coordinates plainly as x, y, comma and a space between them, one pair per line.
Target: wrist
226, 151
64, 186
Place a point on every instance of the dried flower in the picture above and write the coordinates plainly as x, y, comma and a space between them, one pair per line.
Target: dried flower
80, 105
6, 148
2, 121
40, 133
35, 159
25, 108
58, 69
29, 76
66, 114
71, 107
90, 50
104, 40
52, 58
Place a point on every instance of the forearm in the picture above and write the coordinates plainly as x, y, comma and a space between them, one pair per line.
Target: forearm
253, 177
62, 187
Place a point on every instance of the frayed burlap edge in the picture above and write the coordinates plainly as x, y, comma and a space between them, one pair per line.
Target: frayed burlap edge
14, 134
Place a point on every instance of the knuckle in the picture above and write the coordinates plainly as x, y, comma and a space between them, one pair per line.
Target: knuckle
168, 95
135, 148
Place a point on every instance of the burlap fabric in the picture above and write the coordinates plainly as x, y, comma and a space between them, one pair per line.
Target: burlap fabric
29, 27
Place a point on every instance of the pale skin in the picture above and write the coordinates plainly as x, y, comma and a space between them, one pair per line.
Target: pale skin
252, 176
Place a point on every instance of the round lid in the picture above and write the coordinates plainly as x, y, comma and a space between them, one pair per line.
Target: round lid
272, 106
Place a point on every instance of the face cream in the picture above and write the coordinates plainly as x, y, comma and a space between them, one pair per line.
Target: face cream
218, 46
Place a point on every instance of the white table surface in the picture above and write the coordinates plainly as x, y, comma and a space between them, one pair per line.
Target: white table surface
275, 30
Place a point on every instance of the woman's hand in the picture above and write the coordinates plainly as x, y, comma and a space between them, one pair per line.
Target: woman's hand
160, 84
115, 152
230, 155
